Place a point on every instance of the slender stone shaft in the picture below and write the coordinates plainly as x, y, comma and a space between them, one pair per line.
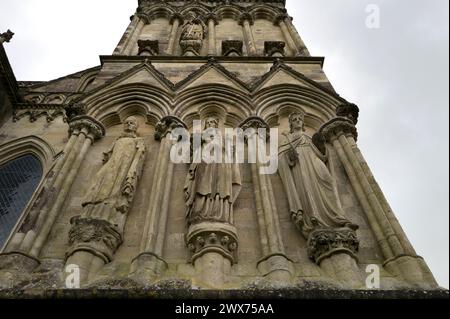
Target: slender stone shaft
211, 37
383, 201
120, 49
296, 37
288, 37
149, 263
130, 48
86, 130
173, 35
248, 34
65, 189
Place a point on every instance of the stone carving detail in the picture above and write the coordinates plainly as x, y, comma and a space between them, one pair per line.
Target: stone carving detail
221, 241
323, 243
6, 36
337, 126
34, 115
192, 35
109, 198
148, 47
274, 48
309, 185
99, 237
166, 125
348, 110
211, 189
87, 122
232, 48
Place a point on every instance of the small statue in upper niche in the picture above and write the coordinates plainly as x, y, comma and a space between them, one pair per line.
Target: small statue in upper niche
192, 35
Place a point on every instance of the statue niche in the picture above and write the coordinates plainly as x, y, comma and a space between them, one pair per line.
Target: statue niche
192, 35
99, 229
311, 191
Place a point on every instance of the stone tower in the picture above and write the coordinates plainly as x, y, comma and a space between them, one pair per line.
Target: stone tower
100, 196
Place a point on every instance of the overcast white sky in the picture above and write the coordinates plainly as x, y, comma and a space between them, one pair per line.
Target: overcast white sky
397, 74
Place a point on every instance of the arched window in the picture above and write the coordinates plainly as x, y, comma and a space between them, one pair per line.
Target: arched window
19, 179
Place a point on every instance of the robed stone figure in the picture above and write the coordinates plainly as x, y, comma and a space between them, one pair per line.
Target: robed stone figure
310, 187
211, 189
113, 187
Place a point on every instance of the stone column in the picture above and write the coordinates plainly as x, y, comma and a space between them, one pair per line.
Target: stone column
246, 21
274, 265
282, 22
296, 37
28, 243
149, 264
130, 37
400, 259
132, 44
176, 21
212, 22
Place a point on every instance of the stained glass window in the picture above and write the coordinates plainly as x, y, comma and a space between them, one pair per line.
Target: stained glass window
19, 179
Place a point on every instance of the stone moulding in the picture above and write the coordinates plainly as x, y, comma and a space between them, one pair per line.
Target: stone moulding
220, 238
324, 243
99, 237
336, 126
84, 121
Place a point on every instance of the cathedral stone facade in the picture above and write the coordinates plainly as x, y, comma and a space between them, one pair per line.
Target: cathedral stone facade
89, 187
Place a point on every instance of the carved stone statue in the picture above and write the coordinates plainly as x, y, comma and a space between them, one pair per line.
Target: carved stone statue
211, 189
99, 229
6, 37
192, 35
310, 187
114, 185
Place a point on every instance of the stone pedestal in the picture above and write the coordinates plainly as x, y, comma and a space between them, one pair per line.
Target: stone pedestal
93, 243
335, 251
213, 248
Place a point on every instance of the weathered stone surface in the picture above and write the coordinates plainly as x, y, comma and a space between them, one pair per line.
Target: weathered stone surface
176, 63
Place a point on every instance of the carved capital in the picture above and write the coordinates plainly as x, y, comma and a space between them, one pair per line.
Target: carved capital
323, 243
337, 126
99, 237
349, 111
218, 238
274, 48
74, 110
94, 128
246, 17
177, 16
166, 125
211, 16
254, 122
284, 17
148, 47
232, 48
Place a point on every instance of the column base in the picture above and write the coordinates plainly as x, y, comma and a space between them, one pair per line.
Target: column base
15, 267
343, 268
276, 268
146, 268
413, 270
